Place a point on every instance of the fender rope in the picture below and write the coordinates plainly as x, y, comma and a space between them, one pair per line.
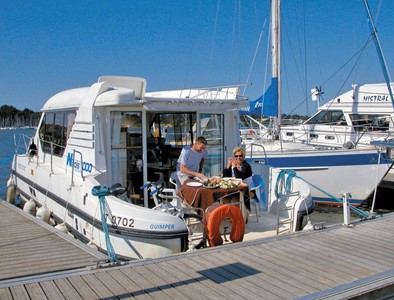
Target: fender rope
101, 192
291, 174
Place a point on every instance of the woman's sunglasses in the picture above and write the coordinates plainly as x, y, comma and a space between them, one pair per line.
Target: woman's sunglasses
238, 156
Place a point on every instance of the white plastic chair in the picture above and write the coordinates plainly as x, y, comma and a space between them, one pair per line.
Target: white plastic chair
171, 199
175, 181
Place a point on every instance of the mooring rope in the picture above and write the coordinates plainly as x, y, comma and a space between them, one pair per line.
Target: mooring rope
291, 174
101, 192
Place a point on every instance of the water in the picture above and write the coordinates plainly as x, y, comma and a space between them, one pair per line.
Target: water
7, 152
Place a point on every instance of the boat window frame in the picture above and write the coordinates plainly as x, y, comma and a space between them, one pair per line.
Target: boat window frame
55, 129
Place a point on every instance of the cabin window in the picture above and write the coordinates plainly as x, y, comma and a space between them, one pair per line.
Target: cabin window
167, 134
55, 130
368, 122
170, 132
328, 117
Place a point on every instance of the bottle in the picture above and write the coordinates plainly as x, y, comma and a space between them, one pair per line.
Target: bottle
160, 162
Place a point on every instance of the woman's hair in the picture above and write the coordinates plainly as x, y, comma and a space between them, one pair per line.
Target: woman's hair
239, 149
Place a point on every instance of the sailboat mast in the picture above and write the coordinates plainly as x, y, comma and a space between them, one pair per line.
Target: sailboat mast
386, 73
275, 55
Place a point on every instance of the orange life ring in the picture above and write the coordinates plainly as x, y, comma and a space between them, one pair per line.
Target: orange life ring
216, 216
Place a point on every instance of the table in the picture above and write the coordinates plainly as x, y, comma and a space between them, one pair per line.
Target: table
202, 197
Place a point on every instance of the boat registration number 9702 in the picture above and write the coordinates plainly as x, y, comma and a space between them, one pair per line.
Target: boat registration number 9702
122, 221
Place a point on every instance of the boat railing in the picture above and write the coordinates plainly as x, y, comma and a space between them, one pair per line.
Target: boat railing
251, 148
21, 143
228, 92
72, 168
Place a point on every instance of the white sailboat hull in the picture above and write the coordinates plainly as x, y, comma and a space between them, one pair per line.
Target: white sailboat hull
330, 173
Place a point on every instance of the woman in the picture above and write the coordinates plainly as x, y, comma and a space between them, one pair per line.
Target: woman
237, 166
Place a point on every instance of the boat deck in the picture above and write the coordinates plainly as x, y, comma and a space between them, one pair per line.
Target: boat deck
336, 262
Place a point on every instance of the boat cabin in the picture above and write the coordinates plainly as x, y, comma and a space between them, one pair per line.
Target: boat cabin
116, 132
356, 117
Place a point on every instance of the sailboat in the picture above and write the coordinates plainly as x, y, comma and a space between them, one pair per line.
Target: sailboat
333, 174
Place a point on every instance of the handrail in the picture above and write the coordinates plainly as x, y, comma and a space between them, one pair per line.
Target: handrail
258, 145
72, 167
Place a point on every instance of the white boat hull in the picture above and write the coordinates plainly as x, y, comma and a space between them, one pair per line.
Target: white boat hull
330, 173
135, 232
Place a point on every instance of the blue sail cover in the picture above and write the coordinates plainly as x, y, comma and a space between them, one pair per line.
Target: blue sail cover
266, 105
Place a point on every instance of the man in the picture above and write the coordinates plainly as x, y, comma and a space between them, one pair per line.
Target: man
191, 160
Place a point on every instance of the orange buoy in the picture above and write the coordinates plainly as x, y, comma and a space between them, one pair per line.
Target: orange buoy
216, 216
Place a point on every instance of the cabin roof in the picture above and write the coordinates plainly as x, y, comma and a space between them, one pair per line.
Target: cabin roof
363, 98
110, 93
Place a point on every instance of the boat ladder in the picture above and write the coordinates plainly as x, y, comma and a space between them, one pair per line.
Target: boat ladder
284, 224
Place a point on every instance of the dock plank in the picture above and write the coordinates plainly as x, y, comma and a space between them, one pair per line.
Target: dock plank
19, 292
83, 288
35, 291
180, 272
66, 289
253, 282
159, 282
6, 294
271, 283
203, 282
143, 285
180, 285
219, 274
310, 262
51, 290
131, 289
96, 285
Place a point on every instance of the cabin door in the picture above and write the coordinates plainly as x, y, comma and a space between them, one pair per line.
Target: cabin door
126, 149
212, 128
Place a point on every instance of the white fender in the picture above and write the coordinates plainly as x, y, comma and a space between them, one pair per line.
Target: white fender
91, 244
30, 207
10, 195
62, 227
43, 214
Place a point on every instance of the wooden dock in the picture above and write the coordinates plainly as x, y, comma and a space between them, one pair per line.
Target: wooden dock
334, 263
30, 247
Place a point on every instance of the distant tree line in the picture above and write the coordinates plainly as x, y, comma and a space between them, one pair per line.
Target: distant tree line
13, 117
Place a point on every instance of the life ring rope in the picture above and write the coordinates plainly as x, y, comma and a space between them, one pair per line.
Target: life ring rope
215, 218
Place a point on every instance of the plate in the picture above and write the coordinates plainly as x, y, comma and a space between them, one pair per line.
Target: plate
194, 184
211, 187
227, 178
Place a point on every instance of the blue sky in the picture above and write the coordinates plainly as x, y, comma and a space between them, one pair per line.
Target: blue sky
50, 46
